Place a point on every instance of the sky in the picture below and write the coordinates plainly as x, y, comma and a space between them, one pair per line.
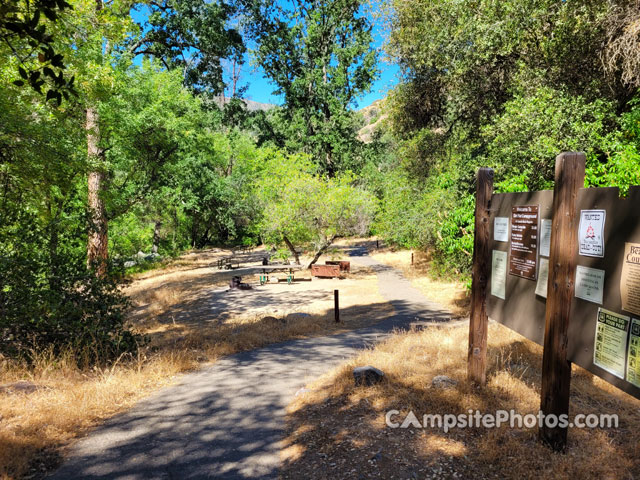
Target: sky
261, 90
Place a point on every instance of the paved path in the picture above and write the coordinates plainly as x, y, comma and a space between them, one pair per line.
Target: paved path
226, 421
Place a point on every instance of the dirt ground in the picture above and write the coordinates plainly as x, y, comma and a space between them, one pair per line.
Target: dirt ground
194, 294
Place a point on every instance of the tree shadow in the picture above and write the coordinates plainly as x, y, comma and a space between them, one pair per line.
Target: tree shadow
224, 421
339, 431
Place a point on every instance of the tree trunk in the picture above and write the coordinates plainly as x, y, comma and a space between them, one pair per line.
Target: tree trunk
323, 249
156, 236
292, 249
98, 246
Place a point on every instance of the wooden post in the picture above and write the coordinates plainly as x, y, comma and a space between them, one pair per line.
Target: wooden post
556, 370
377, 245
478, 321
336, 306
411, 258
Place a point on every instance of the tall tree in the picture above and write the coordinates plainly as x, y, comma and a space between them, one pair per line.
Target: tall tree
194, 36
319, 54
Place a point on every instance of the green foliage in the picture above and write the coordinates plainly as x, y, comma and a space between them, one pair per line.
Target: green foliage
192, 36
48, 297
319, 56
306, 209
533, 128
621, 167
507, 85
26, 29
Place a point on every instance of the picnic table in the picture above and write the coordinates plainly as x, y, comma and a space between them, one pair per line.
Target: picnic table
264, 276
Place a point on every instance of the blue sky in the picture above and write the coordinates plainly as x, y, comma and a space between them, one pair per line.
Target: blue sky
261, 90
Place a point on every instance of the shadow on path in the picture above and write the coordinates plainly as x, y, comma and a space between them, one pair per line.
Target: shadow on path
226, 421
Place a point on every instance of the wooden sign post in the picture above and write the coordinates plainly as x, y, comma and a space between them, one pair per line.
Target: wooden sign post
556, 370
478, 321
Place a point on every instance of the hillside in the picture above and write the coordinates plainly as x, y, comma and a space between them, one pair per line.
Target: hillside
373, 117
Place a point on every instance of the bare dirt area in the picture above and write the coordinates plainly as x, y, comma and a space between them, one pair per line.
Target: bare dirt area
196, 307
337, 430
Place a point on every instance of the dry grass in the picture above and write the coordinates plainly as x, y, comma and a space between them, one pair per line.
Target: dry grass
35, 427
338, 430
451, 294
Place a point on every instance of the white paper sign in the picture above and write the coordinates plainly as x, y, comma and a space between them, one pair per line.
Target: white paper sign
501, 229
589, 284
543, 278
498, 273
545, 237
591, 233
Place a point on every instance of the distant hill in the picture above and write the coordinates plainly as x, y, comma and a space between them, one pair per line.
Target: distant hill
373, 116
252, 106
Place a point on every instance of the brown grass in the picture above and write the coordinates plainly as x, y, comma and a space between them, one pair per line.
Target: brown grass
338, 430
35, 427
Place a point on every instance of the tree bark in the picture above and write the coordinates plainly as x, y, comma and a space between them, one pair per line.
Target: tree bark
156, 236
292, 249
98, 242
323, 249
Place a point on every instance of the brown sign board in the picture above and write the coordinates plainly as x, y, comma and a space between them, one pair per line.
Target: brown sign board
598, 289
622, 226
521, 309
523, 254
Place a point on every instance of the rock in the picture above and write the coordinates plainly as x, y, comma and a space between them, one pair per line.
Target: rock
130, 263
367, 375
274, 320
236, 282
297, 316
377, 456
21, 386
141, 254
442, 381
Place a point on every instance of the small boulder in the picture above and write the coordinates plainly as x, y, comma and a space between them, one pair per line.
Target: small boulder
21, 386
442, 381
297, 316
367, 376
274, 320
130, 263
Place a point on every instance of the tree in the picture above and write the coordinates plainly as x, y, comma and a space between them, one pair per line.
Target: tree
192, 36
320, 58
301, 208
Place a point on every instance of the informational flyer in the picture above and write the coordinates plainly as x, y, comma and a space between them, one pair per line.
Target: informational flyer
524, 241
630, 278
591, 233
543, 277
545, 236
610, 344
589, 284
501, 229
633, 359
498, 273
